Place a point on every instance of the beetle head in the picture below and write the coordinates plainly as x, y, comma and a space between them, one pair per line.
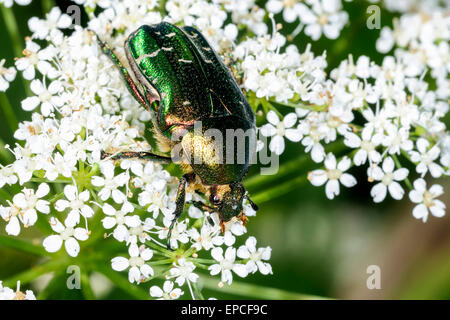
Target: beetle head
227, 201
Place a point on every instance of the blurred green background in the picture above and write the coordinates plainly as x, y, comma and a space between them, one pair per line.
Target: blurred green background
319, 247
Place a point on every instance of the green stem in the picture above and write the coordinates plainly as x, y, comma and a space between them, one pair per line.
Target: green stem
160, 249
53, 181
22, 245
399, 165
4, 195
16, 39
290, 167
197, 291
13, 30
123, 283
35, 272
86, 288
8, 111
47, 5
53, 285
160, 262
312, 107
256, 291
279, 190
4, 153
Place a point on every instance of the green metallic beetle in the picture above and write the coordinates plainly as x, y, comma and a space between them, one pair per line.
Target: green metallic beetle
181, 80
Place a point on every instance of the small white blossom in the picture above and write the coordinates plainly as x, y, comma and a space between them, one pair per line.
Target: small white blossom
139, 270
24, 208
182, 271
289, 8
120, 220
426, 158
47, 98
255, 257
226, 264
279, 129
30, 60
167, 292
366, 146
76, 202
67, 234
110, 183
7, 75
207, 238
54, 21
9, 294
323, 16
388, 180
333, 174
425, 199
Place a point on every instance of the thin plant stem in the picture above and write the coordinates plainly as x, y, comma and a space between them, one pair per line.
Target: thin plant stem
257, 291
8, 111
16, 39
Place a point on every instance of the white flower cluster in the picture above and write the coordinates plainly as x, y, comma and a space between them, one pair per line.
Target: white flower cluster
7, 75
9, 3
380, 114
9, 294
316, 16
385, 113
81, 107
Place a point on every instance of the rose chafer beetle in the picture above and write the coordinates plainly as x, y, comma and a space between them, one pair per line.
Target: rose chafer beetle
177, 75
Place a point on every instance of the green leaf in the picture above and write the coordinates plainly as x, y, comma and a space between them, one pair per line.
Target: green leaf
120, 281
256, 291
35, 272
22, 245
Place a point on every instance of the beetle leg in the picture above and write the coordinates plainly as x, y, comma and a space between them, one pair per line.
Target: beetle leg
136, 154
179, 201
205, 207
200, 205
252, 204
123, 71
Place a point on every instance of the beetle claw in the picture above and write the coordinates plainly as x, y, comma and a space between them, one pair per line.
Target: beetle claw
103, 155
222, 226
243, 218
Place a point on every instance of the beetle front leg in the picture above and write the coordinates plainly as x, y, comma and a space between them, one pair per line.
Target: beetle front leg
200, 205
180, 201
136, 155
123, 71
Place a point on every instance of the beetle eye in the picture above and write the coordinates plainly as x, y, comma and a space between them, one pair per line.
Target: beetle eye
215, 199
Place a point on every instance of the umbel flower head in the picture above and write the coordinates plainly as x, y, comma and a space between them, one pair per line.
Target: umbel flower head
384, 117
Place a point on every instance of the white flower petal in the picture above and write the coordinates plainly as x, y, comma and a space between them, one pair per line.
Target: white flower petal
156, 292
13, 227
400, 174
52, 243
293, 134
420, 212
72, 247
277, 145
347, 180
272, 117
42, 190
289, 120
388, 165
378, 192
240, 270
317, 177
81, 234
396, 190
332, 189
119, 263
